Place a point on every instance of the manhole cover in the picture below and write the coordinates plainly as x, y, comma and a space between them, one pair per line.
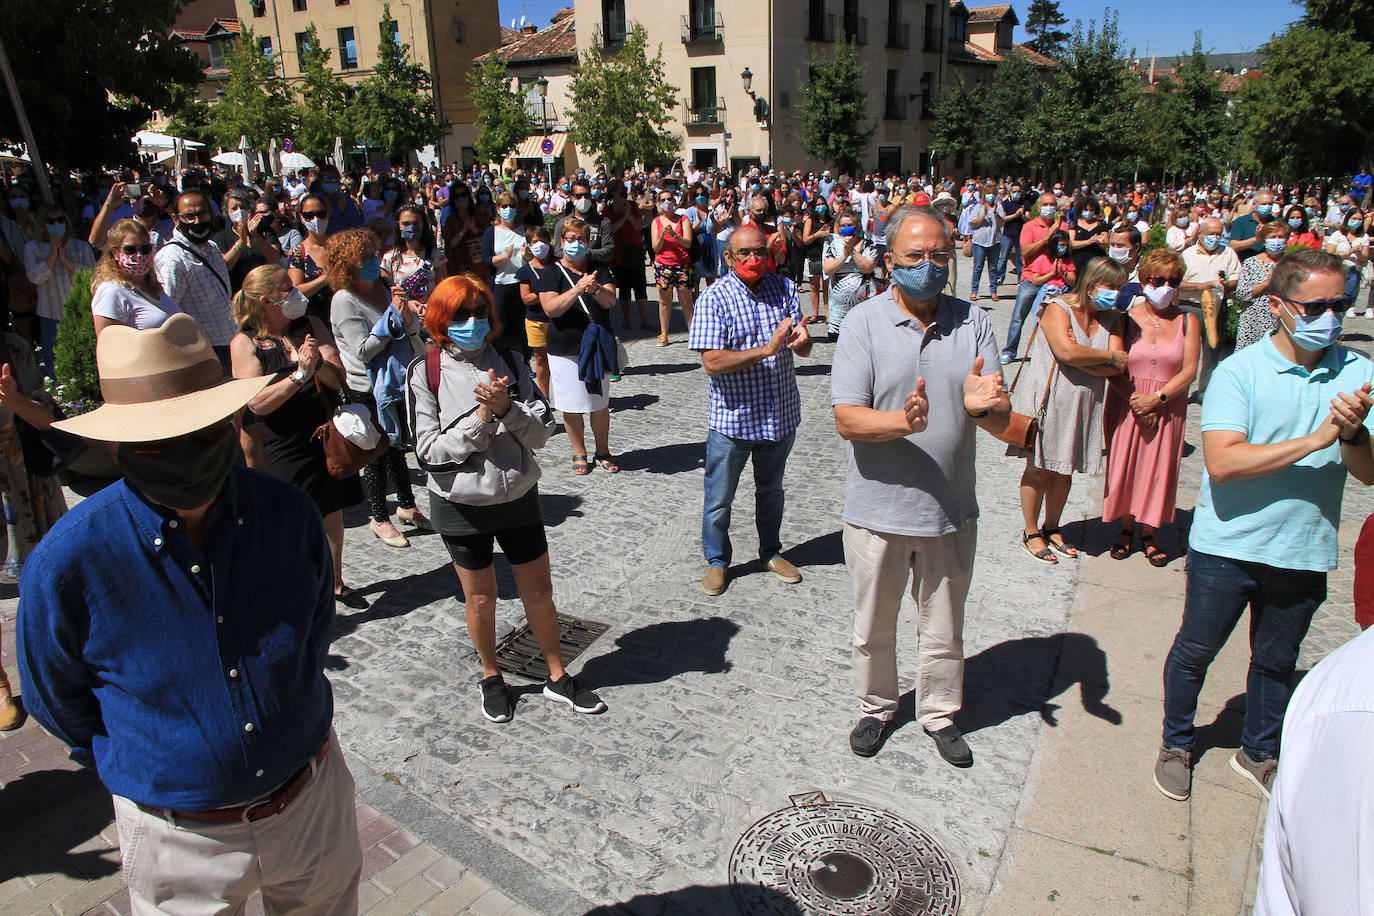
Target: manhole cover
518, 653
841, 859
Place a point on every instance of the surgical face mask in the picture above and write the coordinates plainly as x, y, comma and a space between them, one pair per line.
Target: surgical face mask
785, 220
1161, 297
329, 187
701, 200
1182, 222
294, 305
409, 231
507, 214
582, 204
821, 209
539, 249
1015, 195
1355, 223
1263, 209
1132, 216
1211, 242
19, 203
389, 195
1105, 299
56, 230
848, 231
666, 207
469, 335
921, 282
989, 198
1275, 246
1295, 222
236, 216
183, 473
484, 198
317, 225
1314, 334
575, 251
1089, 215
370, 270
1119, 254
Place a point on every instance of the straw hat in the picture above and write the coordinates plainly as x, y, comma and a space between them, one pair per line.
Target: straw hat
159, 384
944, 201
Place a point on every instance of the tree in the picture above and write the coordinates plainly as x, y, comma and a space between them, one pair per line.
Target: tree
1188, 128
1043, 21
256, 103
322, 112
1000, 138
394, 108
1353, 16
621, 104
952, 133
188, 117
503, 121
836, 126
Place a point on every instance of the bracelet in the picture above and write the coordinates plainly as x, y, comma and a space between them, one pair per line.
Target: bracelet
978, 416
499, 416
1355, 439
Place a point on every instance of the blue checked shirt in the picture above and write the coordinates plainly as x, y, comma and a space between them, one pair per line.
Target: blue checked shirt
192, 681
760, 402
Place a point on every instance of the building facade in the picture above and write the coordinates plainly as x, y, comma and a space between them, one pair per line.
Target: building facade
443, 35
709, 45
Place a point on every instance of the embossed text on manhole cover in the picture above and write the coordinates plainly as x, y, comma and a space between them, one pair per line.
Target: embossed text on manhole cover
841, 859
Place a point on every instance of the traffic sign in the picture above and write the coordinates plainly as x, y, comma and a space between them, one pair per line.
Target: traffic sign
546, 148
550, 159
286, 146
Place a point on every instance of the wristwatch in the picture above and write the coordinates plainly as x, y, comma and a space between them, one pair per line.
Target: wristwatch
300, 378
1162, 396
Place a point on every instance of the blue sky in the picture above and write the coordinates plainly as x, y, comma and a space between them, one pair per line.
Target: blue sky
1160, 27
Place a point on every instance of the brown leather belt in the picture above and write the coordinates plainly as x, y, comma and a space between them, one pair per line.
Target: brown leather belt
282, 796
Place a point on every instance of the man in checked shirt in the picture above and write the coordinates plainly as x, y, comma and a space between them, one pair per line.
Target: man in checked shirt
747, 326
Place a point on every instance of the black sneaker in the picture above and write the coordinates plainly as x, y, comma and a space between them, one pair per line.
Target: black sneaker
496, 701
952, 746
867, 736
567, 690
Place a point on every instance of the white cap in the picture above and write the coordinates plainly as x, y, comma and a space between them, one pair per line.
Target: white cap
825, 174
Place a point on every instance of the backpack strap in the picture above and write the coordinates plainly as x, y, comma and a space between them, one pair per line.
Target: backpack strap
432, 370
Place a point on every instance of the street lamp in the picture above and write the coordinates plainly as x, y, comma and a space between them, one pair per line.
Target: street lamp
748, 77
762, 112
542, 84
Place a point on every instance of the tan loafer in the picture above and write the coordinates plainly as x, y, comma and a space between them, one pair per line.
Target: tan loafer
784, 570
713, 583
11, 715
414, 518
396, 540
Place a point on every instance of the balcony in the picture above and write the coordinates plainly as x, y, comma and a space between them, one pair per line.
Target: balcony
820, 27
927, 107
611, 32
894, 108
934, 40
705, 112
899, 35
702, 30
856, 30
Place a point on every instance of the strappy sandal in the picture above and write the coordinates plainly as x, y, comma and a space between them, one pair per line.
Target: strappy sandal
1063, 546
1121, 551
350, 597
580, 466
1157, 557
1044, 555
606, 463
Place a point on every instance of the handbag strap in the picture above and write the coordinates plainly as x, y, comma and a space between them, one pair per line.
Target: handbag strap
343, 386
203, 263
1049, 383
573, 283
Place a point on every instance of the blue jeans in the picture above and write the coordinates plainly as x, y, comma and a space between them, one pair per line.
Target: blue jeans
1011, 245
725, 459
47, 338
1281, 601
1025, 295
984, 254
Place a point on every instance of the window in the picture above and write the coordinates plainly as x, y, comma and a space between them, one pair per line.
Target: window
612, 22
705, 107
348, 50
216, 50
341, 2
889, 159
298, 5
302, 48
395, 30
894, 103
265, 46
259, 8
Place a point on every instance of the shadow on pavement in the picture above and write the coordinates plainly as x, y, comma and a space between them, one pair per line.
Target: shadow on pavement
1094, 536
666, 459
557, 508
822, 550
633, 402
813, 369
660, 368
660, 651
705, 900
37, 793
1223, 732
401, 596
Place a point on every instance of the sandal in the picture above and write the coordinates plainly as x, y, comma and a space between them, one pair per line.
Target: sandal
349, 597
1063, 546
606, 463
1044, 555
1120, 550
580, 466
1156, 556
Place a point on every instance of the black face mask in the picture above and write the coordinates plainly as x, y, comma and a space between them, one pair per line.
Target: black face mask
198, 231
182, 473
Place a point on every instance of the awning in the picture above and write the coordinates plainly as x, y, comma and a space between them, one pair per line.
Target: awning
531, 147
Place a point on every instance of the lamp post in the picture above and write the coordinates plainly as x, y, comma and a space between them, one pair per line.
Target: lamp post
762, 113
543, 85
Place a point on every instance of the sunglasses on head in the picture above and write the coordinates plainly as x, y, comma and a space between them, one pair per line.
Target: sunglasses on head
1319, 306
1164, 281
137, 249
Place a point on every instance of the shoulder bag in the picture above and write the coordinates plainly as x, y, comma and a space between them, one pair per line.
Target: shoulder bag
343, 458
1022, 430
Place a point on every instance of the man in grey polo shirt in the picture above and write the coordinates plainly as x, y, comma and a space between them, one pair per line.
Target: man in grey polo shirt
908, 390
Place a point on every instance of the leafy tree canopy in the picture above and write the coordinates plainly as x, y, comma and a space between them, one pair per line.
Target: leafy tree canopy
502, 118
1000, 136
394, 107
952, 132
1043, 21
322, 112
836, 126
257, 101
1186, 125
621, 104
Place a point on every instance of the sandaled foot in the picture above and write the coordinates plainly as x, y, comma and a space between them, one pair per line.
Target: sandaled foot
580, 466
1156, 556
1043, 554
349, 597
606, 462
1121, 547
1056, 540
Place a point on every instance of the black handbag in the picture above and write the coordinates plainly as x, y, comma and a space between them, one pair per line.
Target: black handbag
48, 451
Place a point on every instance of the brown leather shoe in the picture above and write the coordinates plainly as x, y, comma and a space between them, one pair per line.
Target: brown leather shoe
713, 583
784, 570
11, 715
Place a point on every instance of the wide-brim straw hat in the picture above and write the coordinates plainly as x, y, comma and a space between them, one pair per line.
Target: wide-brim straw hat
159, 384
944, 201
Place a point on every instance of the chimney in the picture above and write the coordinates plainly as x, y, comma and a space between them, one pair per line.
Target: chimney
529, 28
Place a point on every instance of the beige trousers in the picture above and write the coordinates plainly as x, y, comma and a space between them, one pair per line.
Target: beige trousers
306, 860
939, 569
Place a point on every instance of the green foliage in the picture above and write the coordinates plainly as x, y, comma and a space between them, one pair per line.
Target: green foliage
1353, 16
502, 118
1157, 237
257, 101
1043, 21
836, 126
322, 112
394, 107
188, 117
621, 104
76, 385
955, 109
91, 74
1187, 130
1000, 136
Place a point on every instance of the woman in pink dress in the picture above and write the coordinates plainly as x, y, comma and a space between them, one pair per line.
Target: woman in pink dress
1144, 413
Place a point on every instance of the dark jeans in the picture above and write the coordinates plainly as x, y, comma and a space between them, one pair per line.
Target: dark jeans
1281, 601
1026, 292
725, 458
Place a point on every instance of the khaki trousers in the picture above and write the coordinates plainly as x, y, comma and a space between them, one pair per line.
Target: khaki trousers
939, 569
305, 860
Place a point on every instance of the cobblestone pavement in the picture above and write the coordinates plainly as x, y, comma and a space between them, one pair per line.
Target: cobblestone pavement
720, 708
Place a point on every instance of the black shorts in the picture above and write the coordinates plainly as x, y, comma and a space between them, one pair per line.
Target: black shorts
520, 545
629, 276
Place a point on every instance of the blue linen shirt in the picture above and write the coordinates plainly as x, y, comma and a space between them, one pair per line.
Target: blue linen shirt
1287, 519
760, 402
191, 681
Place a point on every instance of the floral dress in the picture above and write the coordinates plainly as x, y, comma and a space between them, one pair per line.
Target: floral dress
32, 503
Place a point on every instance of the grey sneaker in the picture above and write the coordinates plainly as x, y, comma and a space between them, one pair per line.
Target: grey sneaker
1260, 772
1174, 773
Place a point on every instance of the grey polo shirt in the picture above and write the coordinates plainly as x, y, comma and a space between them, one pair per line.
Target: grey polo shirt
921, 485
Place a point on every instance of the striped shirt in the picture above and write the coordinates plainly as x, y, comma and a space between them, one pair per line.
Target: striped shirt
760, 402
198, 286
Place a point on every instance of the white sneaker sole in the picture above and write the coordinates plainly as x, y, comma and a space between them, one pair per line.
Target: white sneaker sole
1239, 768
585, 710
490, 718
1166, 793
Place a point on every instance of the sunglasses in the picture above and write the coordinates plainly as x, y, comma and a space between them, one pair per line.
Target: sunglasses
313, 214
1164, 281
1319, 307
137, 249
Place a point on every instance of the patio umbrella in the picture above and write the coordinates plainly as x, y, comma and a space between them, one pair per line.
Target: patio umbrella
230, 158
297, 161
338, 153
273, 157
246, 150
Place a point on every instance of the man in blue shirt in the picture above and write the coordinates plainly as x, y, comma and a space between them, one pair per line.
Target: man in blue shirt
1360, 186
172, 631
1283, 422
747, 325
343, 211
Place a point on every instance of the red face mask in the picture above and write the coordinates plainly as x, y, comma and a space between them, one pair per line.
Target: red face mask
751, 271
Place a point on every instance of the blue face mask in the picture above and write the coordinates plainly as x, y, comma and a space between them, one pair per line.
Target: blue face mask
1105, 299
847, 231
57, 230
701, 200
370, 270
921, 282
389, 195
1295, 222
1211, 242
1264, 209
575, 251
1314, 334
410, 231
329, 187
1132, 216
470, 334
507, 214
567, 189
821, 209
1275, 246
989, 198
1354, 223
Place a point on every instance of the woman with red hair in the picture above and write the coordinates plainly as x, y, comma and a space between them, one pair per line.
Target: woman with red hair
478, 417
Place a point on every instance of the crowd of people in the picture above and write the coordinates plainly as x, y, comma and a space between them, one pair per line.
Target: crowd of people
269, 353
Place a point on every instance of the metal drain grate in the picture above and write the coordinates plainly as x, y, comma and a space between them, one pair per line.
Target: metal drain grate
829, 858
518, 653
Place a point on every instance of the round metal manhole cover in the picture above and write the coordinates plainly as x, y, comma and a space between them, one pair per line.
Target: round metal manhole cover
841, 859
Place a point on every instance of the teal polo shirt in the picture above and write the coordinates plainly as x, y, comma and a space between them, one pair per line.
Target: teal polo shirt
1286, 519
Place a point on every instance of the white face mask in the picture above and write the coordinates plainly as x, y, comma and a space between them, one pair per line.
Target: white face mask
237, 216
293, 306
1119, 255
316, 225
1161, 297
540, 250
582, 204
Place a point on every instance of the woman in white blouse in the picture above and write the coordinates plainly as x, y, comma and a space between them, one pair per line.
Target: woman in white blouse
124, 288
50, 264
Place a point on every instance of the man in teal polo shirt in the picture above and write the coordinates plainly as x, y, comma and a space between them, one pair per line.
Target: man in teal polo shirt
1282, 423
